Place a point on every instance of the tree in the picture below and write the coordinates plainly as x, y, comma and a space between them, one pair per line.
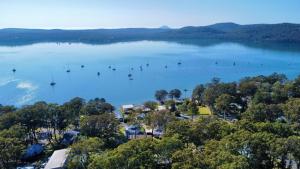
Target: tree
291, 110
223, 104
135, 154
175, 93
7, 109
10, 152
171, 105
81, 152
96, 107
193, 109
242, 149
32, 117
8, 119
161, 95
165, 148
104, 126
209, 128
262, 112
158, 119
11, 146
73, 108
197, 94
182, 129
263, 94
187, 158
293, 143
215, 89
279, 93
150, 105
247, 87
58, 119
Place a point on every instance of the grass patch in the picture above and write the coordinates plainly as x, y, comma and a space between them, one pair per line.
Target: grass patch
204, 110
122, 129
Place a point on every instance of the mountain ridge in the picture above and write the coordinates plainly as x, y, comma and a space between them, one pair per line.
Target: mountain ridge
283, 32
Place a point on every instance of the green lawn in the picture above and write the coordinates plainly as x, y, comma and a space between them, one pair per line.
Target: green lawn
122, 129
204, 110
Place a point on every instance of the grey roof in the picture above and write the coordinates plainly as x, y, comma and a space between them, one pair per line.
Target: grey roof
58, 159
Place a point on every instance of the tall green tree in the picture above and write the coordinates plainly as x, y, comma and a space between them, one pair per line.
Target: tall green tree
104, 126
197, 94
32, 117
161, 95
291, 110
81, 152
175, 93
223, 104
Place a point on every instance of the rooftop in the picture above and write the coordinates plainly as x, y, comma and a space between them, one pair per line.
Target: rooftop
58, 159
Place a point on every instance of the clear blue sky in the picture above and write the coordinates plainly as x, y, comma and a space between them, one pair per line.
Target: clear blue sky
78, 14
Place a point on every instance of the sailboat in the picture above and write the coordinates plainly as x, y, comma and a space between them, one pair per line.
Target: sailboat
52, 82
68, 70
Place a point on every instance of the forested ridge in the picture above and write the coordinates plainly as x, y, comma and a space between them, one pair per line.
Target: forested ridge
285, 32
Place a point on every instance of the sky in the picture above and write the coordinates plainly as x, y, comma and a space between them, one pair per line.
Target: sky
91, 14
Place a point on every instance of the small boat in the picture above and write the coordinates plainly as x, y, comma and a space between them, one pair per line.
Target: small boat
109, 67
130, 78
14, 70
98, 73
132, 68
82, 66
166, 67
129, 75
52, 84
68, 71
147, 64
114, 69
179, 63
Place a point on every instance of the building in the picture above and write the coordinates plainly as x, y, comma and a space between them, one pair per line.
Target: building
127, 108
58, 159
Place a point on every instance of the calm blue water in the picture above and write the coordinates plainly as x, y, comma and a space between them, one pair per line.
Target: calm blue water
38, 64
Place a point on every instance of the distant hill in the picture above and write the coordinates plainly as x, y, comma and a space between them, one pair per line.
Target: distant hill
225, 26
164, 27
284, 32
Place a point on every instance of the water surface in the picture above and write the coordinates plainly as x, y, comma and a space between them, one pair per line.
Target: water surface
37, 65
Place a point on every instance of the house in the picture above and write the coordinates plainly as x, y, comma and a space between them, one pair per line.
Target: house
161, 107
127, 108
33, 151
69, 137
58, 159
